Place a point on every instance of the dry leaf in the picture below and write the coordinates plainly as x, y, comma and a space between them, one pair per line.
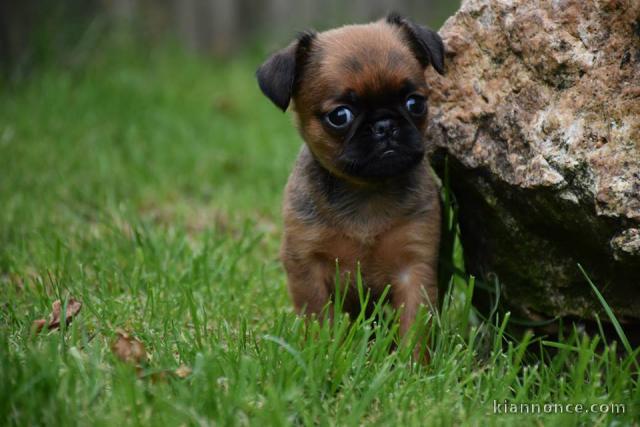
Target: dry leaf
157, 377
37, 325
128, 349
73, 308
183, 371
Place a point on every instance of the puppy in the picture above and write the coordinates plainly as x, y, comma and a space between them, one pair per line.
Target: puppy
361, 190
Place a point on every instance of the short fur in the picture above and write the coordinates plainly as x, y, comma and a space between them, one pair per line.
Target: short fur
358, 195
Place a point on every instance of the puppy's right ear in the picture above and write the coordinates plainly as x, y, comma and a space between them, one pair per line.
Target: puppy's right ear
279, 74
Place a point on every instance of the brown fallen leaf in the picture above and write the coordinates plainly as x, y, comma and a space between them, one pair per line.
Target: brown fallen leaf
183, 371
156, 377
128, 349
73, 308
37, 325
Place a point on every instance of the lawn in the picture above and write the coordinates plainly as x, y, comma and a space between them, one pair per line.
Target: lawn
146, 184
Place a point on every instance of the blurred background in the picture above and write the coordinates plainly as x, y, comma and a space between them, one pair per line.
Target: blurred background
36, 31
145, 114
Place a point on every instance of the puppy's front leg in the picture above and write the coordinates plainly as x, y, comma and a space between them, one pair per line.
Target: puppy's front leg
307, 283
414, 286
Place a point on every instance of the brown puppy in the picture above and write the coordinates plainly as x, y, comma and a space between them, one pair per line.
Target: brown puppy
361, 190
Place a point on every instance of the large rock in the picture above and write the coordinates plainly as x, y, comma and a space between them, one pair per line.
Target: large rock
540, 114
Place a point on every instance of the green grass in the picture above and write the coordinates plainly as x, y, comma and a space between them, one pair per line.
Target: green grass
147, 184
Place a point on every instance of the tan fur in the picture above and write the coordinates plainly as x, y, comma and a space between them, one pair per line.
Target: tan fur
395, 239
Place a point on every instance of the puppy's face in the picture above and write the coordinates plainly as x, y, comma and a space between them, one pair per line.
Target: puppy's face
359, 95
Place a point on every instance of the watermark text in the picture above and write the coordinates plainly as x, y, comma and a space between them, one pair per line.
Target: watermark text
507, 407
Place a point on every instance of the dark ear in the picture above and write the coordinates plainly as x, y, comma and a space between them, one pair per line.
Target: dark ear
278, 75
425, 43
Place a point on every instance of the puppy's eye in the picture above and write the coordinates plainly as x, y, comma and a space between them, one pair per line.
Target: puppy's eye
416, 104
340, 118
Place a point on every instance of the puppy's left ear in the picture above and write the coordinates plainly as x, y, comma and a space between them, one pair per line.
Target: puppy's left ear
426, 44
279, 74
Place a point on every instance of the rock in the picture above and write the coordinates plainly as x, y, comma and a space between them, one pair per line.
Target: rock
539, 114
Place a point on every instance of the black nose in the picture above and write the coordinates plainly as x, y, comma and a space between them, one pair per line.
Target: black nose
384, 128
